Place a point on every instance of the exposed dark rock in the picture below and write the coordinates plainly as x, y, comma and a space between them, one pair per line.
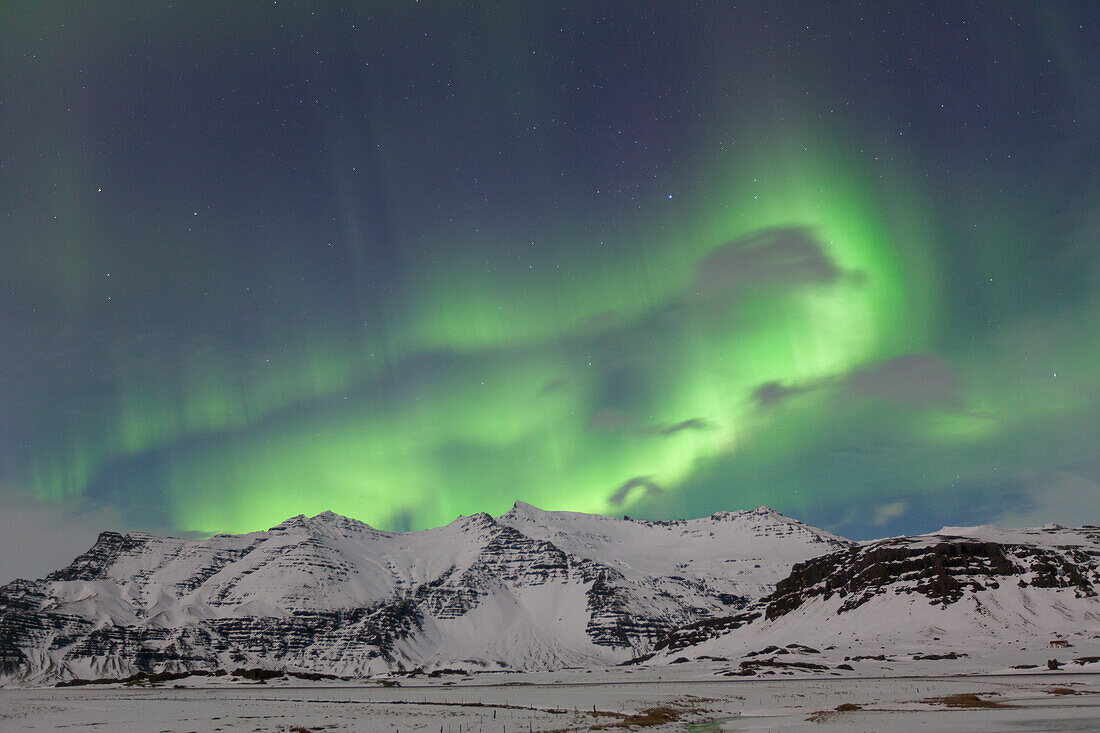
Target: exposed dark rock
637, 660
944, 571
612, 619
938, 657
700, 631
92, 565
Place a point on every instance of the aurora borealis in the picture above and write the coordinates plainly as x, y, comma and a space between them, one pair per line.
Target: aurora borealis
410, 260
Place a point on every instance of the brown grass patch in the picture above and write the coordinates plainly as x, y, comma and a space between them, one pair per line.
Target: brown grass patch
644, 719
653, 716
966, 700
681, 709
1063, 691
826, 716
650, 717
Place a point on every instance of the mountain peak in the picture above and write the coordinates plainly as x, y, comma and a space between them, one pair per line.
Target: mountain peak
523, 510
760, 511
324, 522
295, 522
480, 520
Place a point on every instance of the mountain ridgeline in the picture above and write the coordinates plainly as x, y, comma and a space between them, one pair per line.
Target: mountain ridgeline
526, 590
536, 590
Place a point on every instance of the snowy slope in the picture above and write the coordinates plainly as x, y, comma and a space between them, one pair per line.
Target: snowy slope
531, 590
992, 597
746, 552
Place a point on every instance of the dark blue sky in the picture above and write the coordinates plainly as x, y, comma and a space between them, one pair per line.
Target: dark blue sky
407, 260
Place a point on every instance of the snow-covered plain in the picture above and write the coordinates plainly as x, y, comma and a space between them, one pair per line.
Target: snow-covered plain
687, 697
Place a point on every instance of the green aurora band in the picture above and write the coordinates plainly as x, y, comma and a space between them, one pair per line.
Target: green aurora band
524, 398
408, 263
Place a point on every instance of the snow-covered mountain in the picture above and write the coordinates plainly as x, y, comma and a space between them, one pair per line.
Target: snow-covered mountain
542, 590
980, 597
527, 590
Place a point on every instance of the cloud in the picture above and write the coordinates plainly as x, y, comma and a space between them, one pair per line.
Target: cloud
39, 537
773, 393
774, 256
883, 513
695, 423
919, 378
911, 378
638, 482
610, 420
1063, 497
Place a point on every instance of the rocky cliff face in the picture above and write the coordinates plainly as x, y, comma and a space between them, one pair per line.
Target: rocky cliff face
943, 569
529, 589
973, 585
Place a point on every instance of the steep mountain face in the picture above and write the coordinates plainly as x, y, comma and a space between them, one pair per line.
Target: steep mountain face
528, 590
944, 569
960, 590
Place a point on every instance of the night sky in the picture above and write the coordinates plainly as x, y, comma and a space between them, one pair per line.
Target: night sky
409, 260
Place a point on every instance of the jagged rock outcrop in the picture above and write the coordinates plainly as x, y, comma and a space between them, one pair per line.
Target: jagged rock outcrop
700, 631
966, 584
942, 568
